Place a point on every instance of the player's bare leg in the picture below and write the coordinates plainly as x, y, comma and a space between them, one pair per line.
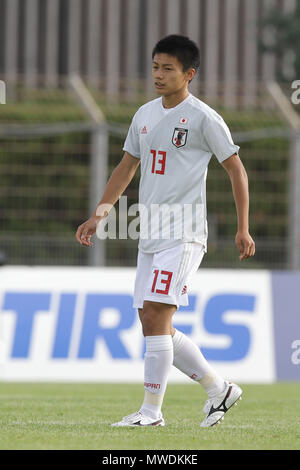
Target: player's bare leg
156, 318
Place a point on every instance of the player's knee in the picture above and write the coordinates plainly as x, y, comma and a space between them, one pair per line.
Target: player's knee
150, 323
151, 319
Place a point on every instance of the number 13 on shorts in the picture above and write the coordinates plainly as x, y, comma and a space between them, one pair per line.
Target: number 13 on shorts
164, 277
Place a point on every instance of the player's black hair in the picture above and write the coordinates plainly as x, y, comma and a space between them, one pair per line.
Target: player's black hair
181, 47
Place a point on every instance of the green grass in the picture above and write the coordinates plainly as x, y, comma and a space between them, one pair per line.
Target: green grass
78, 416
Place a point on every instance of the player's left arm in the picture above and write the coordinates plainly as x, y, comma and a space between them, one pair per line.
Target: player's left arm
239, 182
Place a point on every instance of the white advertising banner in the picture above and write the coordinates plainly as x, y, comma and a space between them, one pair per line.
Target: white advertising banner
78, 324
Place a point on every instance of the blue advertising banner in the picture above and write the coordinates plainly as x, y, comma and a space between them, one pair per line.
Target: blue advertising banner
286, 312
79, 324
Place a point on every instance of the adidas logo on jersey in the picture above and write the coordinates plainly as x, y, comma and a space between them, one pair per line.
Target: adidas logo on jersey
144, 130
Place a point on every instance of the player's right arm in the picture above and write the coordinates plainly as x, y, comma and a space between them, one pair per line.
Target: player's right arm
116, 185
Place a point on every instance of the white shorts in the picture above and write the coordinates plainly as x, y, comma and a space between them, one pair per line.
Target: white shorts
164, 276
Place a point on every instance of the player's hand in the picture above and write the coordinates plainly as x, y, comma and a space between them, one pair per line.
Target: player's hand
245, 245
86, 230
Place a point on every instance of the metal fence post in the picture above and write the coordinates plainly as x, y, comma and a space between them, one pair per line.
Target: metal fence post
293, 120
294, 206
98, 159
98, 178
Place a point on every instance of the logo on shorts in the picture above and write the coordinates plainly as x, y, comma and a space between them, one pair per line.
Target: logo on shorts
179, 137
184, 290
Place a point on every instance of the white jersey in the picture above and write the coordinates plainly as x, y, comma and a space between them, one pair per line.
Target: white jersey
175, 146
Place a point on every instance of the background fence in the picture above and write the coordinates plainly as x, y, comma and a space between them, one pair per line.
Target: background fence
50, 184
58, 148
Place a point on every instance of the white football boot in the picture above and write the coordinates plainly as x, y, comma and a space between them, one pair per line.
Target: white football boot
139, 419
215, 408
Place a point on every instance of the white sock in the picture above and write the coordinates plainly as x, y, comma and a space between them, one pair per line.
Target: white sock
189, 359
158, 362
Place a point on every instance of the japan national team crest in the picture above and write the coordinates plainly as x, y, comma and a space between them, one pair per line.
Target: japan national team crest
179, 137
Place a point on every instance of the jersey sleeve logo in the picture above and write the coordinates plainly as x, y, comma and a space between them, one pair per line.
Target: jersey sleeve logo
179, 137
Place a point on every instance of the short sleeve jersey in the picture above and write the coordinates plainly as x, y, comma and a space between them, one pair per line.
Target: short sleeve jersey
175, 146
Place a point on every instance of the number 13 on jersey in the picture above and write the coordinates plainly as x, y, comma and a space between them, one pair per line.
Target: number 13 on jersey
158, 162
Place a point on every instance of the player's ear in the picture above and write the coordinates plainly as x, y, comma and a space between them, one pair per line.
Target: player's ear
190, 73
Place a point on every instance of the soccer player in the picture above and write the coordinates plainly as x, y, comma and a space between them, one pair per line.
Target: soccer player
173, 137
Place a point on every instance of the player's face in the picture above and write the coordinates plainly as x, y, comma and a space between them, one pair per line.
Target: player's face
168, 75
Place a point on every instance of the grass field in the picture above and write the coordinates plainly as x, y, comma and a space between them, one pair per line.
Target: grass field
78, 416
